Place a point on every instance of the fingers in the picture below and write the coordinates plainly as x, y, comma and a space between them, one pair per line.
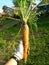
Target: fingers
21, 46
19, 51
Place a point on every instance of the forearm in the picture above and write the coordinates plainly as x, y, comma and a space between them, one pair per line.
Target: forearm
11, 62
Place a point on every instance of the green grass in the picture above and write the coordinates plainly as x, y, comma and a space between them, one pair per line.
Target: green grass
39, 47
5, 21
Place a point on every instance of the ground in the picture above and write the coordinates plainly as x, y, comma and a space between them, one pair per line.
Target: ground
39, 46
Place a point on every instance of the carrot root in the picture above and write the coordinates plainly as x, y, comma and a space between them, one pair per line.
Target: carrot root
25, 41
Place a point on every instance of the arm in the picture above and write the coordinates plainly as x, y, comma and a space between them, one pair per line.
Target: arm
18, 55
11, 62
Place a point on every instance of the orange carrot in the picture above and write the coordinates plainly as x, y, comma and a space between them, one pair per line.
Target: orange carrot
25, 39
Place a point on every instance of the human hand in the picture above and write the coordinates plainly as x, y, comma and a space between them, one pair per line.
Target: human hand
19, 52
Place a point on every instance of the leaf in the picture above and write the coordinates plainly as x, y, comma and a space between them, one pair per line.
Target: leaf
35, 27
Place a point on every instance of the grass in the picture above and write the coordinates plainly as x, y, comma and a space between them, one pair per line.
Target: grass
39, 47
5, 21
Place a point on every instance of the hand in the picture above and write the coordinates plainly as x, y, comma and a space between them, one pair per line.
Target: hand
19, 52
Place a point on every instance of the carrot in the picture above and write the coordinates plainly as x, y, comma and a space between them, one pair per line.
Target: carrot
25, 39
